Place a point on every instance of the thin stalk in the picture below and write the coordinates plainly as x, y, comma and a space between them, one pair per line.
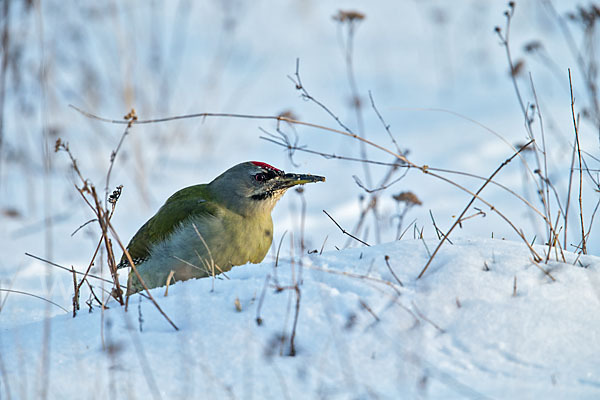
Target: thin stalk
468, 206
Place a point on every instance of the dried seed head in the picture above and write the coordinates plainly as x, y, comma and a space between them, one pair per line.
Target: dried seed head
288, 114
112, 199
517, 68
409, 198
131, 115
533, 46
11, 213
348, 16
520, 146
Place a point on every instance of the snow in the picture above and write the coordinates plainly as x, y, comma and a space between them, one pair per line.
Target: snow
461, 331
458, 332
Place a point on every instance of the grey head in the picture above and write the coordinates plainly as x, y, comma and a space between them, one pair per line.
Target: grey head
255, 187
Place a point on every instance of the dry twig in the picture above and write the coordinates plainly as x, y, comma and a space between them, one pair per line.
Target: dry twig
508, 160
345, 231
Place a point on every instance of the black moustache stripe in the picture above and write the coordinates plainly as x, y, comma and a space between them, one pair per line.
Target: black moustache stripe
262, 196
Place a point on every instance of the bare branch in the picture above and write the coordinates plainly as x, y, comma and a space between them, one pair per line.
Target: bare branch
344, 231
536, 256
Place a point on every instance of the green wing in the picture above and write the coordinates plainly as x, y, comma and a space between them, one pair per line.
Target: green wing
188, 202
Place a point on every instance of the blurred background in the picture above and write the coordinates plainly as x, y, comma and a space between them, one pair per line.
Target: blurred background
437, 72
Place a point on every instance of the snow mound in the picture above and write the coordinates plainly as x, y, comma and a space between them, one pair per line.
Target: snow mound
483, 322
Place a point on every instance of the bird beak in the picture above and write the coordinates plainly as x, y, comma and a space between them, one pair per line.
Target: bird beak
288, 180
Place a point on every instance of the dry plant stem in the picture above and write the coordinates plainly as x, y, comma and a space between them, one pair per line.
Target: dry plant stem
248, 116
83, 226
424, 242
296, 288
485, 128
295, 324
438, 231
277, 259
387, 262
323, 245
424, 168
394, 299
104, 222
569, 191
364, 305
94, 256
279, 289
300, 192
344, 231
169, 278
205, 268
361, 219
261, 300
528, 120
113, 156
429, 169
305, 95
385, 125
504, 40
144, 363
87, 271
4, 379
477, 213
588, 70
374, 199
92, 295
101, 216
129, 259
36, 296
6, 53
555, 242
354, 93
357, 276
548, 274
545, 180
279, 249
377, 189
68, 269
455, 224
424, 318
587, 235
75, 293
324, 155
384, 184
575, 127
212, 264
3, 300
492, 207
401, 235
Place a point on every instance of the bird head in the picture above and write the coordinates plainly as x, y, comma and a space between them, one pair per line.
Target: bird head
255, 186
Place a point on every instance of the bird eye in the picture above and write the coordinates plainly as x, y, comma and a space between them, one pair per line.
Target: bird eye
260, 177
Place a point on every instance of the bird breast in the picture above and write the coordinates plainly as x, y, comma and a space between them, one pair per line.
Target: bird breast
202, 245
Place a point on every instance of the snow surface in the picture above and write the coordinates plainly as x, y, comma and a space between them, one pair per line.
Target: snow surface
459, 332
167, 58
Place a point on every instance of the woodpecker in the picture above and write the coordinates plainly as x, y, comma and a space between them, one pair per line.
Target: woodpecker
204, 230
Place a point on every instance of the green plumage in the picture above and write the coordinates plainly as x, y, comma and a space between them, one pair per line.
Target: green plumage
182, 205
207, 229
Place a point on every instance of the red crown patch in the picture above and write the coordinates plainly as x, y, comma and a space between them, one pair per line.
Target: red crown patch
265, 166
